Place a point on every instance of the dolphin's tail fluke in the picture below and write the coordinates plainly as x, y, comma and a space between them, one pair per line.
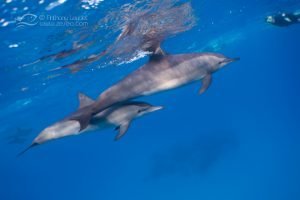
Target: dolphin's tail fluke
22, 152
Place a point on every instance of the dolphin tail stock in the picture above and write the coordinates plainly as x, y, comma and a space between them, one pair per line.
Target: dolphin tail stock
25, 150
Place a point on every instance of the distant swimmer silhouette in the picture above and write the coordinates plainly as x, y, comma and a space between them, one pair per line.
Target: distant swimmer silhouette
283, 19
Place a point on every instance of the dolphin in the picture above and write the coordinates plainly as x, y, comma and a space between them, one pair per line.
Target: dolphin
76, 47
150, 43
143, 31
119, 116
161, 73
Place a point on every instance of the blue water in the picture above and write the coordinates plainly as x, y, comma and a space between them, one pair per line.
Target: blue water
239, 140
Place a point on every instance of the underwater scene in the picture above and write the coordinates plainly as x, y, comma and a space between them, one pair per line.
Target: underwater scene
150, 99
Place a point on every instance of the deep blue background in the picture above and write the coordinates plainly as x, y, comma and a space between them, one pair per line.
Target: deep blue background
240, 140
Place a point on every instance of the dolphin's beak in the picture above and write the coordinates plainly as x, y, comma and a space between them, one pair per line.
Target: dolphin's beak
155, 108
230, 60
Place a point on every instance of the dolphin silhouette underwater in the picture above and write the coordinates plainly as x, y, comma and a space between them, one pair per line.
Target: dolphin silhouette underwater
143, 32
119, 116
162, 72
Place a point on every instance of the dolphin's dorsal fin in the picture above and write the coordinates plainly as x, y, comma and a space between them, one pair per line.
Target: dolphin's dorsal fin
157, 54
122, 130
84, 100
206, 81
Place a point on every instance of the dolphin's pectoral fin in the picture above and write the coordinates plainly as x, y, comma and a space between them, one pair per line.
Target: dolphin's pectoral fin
84, 100
206, 81
122, 130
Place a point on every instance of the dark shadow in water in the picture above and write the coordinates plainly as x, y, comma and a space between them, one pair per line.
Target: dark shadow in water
195, 157
19, 136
